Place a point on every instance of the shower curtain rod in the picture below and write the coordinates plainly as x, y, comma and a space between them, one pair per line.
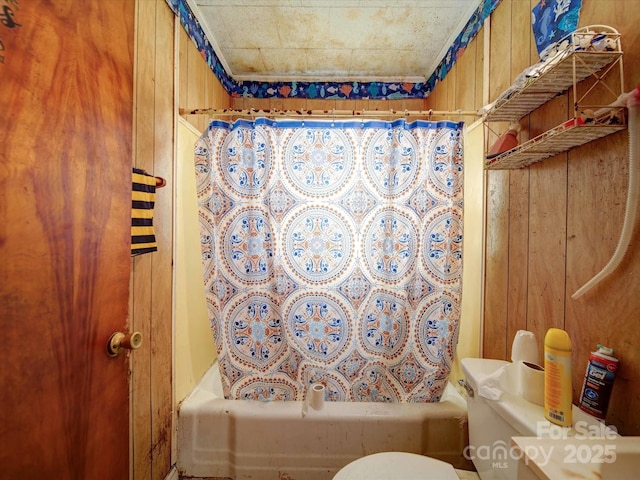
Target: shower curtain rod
216, 112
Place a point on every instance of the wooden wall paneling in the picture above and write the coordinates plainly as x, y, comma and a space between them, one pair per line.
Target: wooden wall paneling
337, 104
198, 87
382, 105
442, 99
151, 303
617, 14
343, 105
220, 95
187, 55
598, 179
438, 98
535, 57
562, 205
494, 341
596, 204
452, 99
547, 228
465, 90
183, 70
497, 229
521, 39
162, 282
500, 74
256, 103
478, 71
196, 71
500, 49
361, 105
430, 101
386, 105
290, 104
416, 104
518, 242
279, 103
500, 53
219, 98
481, 81
596, 208
142, 274
238, 103
518, 246
208, 99
412, 104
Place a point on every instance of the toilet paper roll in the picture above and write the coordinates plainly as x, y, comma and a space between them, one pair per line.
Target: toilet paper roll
316, 396
531, 382
524, 347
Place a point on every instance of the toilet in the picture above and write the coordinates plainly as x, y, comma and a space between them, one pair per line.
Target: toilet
397, 465
491, 425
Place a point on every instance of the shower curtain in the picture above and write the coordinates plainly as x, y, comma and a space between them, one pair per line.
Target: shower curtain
332, 253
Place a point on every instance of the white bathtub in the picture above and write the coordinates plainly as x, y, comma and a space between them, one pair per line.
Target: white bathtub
238, 439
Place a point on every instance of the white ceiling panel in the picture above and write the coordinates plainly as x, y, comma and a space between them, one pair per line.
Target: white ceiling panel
337, 40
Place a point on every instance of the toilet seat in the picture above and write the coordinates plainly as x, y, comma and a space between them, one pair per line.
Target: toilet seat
396, 466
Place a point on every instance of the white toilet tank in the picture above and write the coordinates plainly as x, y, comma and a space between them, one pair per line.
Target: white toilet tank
492, 423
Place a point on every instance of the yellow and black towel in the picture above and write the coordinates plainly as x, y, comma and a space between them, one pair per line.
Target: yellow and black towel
143, 199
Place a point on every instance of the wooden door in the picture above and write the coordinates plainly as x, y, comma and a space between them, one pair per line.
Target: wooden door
66, 96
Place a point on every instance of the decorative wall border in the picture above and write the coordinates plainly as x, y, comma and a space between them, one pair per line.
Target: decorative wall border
330, 90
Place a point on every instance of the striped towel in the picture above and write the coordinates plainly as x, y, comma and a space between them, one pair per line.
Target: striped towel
143, 199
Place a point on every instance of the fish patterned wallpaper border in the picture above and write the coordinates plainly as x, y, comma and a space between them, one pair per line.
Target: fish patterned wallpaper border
330, 90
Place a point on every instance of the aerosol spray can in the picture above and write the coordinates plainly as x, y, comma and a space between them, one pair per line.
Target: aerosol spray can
598, 382
557, 377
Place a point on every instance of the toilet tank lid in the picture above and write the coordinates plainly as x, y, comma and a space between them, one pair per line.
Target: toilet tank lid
476, 369
526, 418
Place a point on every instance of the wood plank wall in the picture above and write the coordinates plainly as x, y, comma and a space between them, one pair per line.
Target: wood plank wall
159, 92
197, 85
552, 226
150, 309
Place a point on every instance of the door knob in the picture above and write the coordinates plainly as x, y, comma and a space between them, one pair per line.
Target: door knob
120, 341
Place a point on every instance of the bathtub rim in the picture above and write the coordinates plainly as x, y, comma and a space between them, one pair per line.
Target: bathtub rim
209, 389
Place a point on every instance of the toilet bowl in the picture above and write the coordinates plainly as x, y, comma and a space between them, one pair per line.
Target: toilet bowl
491, 425
397, 465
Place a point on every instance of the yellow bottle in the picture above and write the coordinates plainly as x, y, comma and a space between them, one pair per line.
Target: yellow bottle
557, 377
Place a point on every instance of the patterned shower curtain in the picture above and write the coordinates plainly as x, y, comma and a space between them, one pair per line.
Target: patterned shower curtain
332, 253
